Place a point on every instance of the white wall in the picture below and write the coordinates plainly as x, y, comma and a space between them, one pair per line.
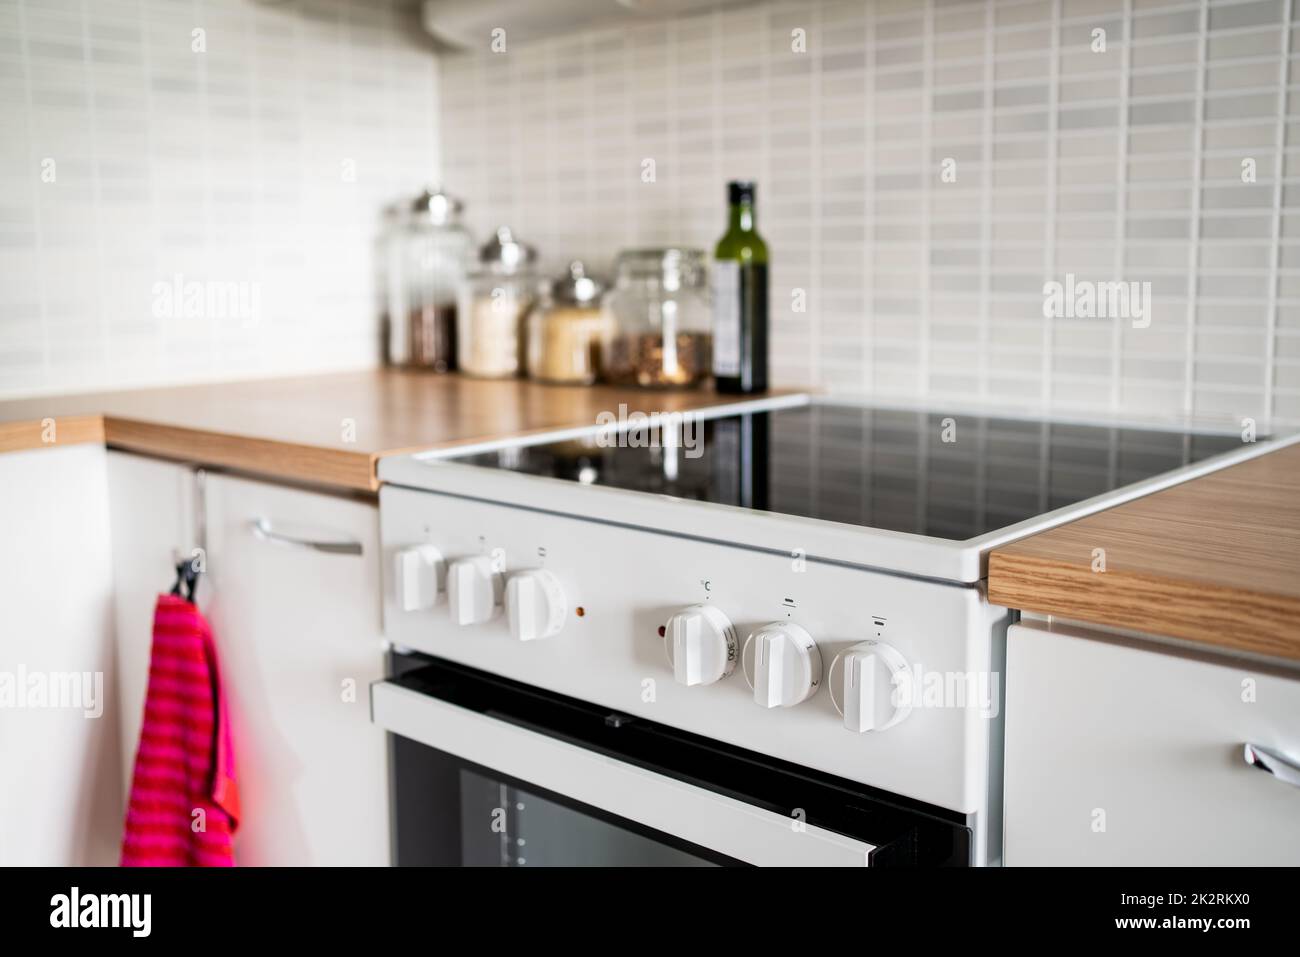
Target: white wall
1123, 164
128, 158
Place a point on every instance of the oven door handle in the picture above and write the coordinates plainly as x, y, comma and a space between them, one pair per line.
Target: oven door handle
694, 814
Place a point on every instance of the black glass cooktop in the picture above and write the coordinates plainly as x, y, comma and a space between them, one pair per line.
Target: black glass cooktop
951, 477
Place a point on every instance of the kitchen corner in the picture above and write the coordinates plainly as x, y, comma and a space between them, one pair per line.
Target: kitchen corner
586, 434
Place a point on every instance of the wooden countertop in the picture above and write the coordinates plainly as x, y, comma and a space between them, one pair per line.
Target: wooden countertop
324, 429
1214, 560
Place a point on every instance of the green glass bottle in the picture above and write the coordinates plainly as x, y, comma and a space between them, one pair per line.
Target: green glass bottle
740, 299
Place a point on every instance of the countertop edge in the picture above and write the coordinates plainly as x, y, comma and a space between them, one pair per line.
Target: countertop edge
319, 465
51, 432
339, 468
1218, 616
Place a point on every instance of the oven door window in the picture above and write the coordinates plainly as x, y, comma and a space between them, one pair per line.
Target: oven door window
489, 820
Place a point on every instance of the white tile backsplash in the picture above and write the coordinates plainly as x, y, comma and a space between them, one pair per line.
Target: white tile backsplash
132, 164
256, 165
1116, 165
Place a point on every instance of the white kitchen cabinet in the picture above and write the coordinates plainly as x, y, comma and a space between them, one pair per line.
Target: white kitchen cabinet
1124, 754
60, 802
299, 639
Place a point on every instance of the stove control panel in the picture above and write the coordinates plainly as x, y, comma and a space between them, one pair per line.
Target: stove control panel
731, 643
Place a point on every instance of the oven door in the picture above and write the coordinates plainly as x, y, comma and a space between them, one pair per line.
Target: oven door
486, 771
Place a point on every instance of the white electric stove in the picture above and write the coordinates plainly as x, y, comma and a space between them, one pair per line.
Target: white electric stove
759, 635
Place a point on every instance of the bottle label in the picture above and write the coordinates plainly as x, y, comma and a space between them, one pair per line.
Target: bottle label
726, 318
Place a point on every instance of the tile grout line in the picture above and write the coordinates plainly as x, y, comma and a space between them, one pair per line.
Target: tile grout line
1121, 206
205, 164
927, 197
815, 260
589, 238
1053, 152
672, 118
1279, 161
765, 170
1193, 249
986, 209
868, 371
545, 101
715, 98
249, 23
151, 127
96, 181
37, 219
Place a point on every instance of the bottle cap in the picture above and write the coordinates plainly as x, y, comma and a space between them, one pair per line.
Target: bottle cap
741, 191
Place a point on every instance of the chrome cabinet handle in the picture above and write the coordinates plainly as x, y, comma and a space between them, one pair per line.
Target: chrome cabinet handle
1272, 762
263, 530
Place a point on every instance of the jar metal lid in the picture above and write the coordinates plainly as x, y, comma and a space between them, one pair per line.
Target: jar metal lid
441, 208
505, 254
576, 286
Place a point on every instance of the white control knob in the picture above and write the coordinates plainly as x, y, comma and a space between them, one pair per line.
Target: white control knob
418, 574
701, 645
474, 590
871, 685
782, 665
535, 604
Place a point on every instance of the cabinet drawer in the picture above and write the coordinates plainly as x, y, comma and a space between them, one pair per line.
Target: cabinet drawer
1117, 754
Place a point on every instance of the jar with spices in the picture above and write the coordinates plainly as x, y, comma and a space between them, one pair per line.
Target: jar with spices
661, 328
391, 225
566, 329
429, 255
492, 303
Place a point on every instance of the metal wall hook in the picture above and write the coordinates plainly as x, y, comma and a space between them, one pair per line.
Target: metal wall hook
190, 567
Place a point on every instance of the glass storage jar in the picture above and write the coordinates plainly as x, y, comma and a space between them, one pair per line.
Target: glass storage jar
567, 328
492, 303
391, 223
429, 255
661, 332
